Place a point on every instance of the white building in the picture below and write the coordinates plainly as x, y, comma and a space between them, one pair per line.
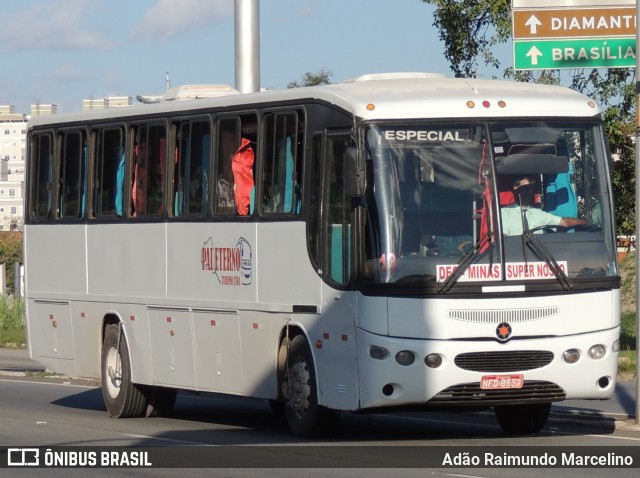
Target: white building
109, 102
13, 129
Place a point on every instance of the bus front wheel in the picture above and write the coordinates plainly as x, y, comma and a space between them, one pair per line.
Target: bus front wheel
122, 397
304, 416
522, 419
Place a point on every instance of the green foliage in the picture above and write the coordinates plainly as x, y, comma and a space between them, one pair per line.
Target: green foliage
627, 365
10, 253
628, 331
470, 29
627, 362
628, 283
11, 313
322, 77
11, 321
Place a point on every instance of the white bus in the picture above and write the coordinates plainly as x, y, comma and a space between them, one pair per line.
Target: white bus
349, 247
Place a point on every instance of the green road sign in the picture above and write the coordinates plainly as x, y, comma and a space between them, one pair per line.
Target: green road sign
574, 53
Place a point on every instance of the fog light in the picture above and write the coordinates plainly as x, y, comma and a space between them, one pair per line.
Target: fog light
597, 352
405, 357
616, 346
433, 360
571, 355
378, 353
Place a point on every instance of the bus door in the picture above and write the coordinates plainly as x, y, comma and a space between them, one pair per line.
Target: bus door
332, 214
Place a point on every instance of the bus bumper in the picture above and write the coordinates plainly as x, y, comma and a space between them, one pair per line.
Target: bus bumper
522, 371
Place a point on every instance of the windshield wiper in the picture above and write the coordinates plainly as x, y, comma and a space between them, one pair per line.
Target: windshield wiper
467, 260
539, 249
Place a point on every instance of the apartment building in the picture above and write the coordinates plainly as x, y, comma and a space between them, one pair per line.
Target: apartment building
13, 128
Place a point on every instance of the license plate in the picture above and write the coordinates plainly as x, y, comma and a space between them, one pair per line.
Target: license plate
499, 382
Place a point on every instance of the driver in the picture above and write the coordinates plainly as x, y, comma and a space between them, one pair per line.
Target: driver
522, 216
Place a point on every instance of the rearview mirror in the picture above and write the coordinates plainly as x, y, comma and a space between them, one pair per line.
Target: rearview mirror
532, 163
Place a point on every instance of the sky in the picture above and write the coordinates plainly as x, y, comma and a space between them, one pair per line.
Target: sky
64, 51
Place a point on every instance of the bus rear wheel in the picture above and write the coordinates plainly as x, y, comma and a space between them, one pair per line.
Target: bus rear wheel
122, 398
300, 389
522, 419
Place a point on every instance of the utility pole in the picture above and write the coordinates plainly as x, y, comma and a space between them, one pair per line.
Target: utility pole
247, 45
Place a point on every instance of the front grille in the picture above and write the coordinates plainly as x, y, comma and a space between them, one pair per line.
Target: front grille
504, 361
471, 394
497, 316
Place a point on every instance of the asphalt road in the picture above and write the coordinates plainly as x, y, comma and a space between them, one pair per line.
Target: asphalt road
237, 434
244, 437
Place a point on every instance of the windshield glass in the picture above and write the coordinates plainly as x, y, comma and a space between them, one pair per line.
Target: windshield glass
461, 202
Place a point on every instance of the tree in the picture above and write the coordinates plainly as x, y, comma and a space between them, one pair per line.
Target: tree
322, 77
471, 28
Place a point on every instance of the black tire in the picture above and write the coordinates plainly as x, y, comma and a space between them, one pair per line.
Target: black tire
122, 398
160, 401
522, 419
305, 417
277, 407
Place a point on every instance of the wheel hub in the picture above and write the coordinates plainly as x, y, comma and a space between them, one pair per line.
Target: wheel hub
114, 372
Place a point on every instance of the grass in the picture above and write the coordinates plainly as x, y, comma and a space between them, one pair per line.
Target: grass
627, 362
12, 338
11, 322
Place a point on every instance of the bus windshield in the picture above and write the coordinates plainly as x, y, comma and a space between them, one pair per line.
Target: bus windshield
513, 201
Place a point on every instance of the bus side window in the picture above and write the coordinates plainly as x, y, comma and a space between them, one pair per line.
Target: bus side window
242, 167
148, 173
42, 160
227, 145
282, 164
71, 175
337, 236
192, 169
329, 226
108, 178
235, 165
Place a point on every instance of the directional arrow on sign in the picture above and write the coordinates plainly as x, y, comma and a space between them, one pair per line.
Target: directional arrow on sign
534, 53
533, 23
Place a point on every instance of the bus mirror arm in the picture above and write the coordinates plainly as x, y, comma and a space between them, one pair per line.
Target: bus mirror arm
354, 172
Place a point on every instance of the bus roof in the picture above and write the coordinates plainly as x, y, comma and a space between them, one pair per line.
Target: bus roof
384, 96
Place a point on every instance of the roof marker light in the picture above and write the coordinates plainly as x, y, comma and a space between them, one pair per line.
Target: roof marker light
591, 104
471, 104
502, 104
486, 104
371, 107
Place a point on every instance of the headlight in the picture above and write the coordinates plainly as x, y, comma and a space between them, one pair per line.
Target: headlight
378, 353
597, 352
405, 357
433, 360
616, 346
571, 355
